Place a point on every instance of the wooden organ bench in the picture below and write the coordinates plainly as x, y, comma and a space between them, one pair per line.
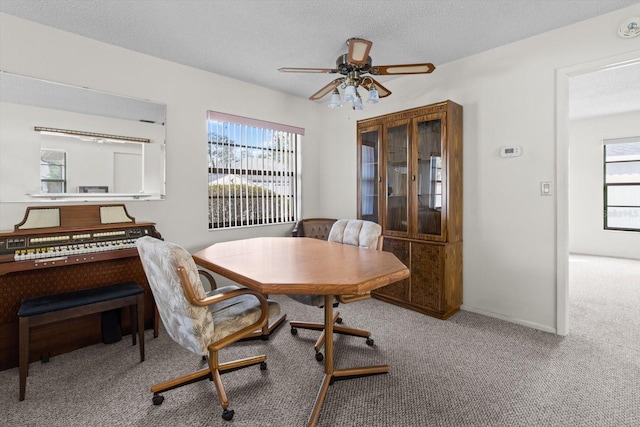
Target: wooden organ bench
54, 308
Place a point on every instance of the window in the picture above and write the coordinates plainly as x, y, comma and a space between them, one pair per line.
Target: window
622, 184
253, 173
53, 171
435, 178
369, 184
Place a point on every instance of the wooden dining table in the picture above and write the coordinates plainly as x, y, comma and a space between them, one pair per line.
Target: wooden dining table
300, 265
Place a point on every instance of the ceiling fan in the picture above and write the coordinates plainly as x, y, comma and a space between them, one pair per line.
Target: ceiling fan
357, 69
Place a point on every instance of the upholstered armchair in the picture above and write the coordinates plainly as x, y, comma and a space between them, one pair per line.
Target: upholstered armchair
318, 228
203, 323
365, 234
275, 317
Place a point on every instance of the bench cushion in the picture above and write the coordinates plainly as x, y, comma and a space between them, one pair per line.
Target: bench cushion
49, 303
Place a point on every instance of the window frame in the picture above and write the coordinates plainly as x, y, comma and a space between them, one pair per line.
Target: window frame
609, 185
252, 181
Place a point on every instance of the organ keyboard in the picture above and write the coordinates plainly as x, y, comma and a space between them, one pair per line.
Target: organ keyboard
57, 249
59, 237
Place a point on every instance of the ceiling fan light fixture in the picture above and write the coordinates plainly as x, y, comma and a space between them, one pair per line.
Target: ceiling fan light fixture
374, 97
357, 103
335, 102
350, 93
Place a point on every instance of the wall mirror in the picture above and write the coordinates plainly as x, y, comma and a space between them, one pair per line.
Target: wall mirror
62, 142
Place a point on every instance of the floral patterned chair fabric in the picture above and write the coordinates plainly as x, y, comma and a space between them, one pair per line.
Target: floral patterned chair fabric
202, 322
355, 232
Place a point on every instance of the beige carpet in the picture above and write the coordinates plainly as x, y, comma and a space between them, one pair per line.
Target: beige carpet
604, 295
471, 370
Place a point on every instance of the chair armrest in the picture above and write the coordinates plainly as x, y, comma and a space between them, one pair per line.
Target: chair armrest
210, 278
213, 299
297, 231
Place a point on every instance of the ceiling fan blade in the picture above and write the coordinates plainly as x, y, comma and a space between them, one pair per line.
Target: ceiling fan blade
307, 70
358, 51
386, 70
325, 90
383, 92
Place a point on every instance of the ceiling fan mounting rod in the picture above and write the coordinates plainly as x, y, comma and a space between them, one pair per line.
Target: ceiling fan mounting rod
344, 67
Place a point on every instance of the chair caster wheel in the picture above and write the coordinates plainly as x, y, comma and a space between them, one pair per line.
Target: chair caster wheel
263, 366
369, 341
319, 357
157, 399
294, 330
227, 414
339, 320
264, 337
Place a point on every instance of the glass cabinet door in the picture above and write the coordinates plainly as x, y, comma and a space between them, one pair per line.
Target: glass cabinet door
429, 176
369, 175
397, 177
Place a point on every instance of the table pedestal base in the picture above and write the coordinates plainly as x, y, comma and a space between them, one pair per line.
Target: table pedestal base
331, 374
272, 325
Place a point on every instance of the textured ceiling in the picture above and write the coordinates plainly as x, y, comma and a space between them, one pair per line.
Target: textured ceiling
250, 39
608, 91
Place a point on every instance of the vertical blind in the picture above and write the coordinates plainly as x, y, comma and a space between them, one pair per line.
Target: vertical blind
253, 176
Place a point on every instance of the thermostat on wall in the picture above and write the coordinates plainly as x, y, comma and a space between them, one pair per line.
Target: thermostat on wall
510, 151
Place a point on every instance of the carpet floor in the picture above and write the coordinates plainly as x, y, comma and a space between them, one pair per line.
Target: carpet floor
470, 370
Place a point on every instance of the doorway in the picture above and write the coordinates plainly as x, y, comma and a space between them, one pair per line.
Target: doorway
563, 130
127, 173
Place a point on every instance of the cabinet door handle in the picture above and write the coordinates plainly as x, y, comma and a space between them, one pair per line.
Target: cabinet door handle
413, 177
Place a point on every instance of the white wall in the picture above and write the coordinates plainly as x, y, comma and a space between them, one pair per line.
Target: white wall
586, 234
508, 95
34, 50
509, 98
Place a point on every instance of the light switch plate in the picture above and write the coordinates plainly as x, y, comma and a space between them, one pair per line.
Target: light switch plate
545, 188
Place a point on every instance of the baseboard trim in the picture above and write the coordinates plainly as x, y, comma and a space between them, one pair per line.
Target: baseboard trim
515, 320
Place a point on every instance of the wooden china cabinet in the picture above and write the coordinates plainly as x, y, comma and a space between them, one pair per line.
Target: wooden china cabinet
410, 182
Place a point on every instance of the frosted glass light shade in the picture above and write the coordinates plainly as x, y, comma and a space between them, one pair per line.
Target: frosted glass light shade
374, 98
349, 94
357, 104
335, 100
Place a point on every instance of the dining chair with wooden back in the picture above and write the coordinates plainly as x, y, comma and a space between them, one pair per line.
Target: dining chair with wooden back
361, 233
202, 322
